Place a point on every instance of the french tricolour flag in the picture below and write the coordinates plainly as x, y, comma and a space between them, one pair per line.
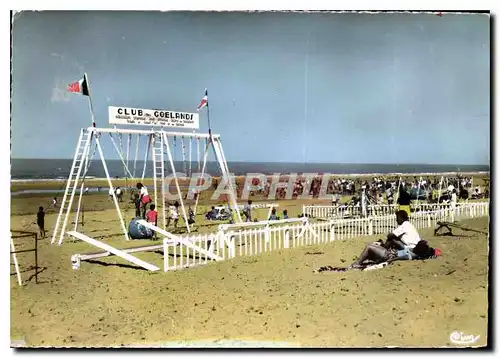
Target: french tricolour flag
204, 101
79, 87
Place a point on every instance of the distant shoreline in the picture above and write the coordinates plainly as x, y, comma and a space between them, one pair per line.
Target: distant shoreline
19, 180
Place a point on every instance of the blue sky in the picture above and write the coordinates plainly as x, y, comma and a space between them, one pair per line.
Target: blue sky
284, 87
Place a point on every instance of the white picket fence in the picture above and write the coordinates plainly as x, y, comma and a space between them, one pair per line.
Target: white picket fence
345, 211
257, 238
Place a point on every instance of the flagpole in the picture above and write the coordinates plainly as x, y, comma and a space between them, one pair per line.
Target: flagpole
208, 116
86, 79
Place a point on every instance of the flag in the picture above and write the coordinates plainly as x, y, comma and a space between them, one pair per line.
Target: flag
79, 87
204, 101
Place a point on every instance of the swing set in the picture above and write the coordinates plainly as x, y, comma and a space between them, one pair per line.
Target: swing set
161, 145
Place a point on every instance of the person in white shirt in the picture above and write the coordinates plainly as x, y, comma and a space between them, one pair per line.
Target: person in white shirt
143, 198
119, 193
405, 236
173, 214
399, 245
453, 201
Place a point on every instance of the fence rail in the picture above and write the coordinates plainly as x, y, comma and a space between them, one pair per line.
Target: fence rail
350, 211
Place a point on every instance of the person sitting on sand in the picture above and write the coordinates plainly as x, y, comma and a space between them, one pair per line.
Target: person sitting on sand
285, 214
379, 253
210, 215
399, 245
273, 215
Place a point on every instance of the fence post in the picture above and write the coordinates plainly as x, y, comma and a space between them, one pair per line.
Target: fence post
370, 226
286, 243
332, 232
266, 237
165, 255
220, 239
232, 247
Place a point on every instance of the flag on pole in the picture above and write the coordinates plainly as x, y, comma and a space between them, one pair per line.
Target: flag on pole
80, 86
204, 101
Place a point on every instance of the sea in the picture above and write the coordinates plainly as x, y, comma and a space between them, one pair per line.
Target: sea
52, 169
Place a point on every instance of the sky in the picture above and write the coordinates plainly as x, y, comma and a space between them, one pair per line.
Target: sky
282, 87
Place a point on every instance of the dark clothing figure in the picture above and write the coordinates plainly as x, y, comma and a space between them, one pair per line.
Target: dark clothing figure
190, 216
137, 202
247, 211
273, 215
404, 197
40, 221
211, 214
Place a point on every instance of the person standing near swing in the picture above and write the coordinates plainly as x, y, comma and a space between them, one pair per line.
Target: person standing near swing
144, 199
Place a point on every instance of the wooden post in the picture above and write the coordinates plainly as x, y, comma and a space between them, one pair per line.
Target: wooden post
36, 258
16, 264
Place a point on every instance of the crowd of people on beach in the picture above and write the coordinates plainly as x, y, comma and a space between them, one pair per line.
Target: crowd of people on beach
376, 187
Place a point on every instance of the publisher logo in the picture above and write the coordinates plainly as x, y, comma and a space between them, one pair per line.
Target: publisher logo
462, 338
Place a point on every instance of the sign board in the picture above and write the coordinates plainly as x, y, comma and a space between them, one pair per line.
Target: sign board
153, 117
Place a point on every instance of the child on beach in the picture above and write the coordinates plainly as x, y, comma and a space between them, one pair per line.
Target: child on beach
40, 220
247, 211
174, 215
54, 202
152, 217
285, 214
190, 216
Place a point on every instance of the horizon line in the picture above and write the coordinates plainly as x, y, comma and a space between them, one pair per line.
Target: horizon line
274, 162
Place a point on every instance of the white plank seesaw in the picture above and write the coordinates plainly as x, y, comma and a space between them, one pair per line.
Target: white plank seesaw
112, 250
170, 237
